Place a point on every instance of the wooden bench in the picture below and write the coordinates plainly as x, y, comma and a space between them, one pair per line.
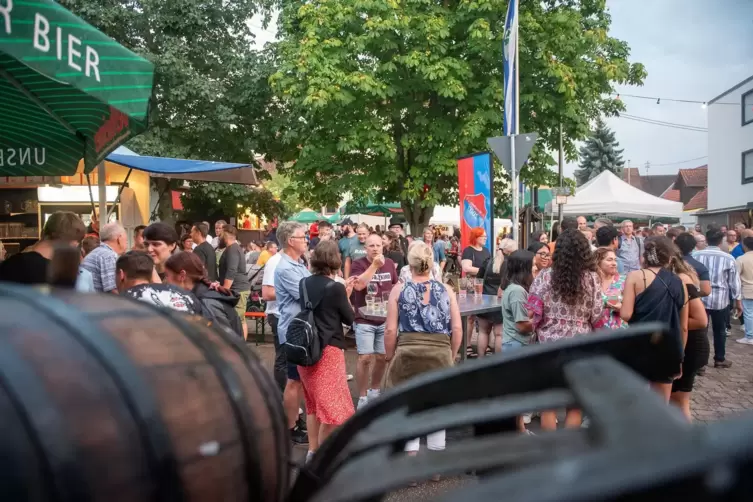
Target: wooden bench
260, 319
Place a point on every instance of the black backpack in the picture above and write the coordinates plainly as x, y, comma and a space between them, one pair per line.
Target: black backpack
303, 345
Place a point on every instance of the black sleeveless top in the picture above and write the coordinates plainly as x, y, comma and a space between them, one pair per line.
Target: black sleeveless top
662, 301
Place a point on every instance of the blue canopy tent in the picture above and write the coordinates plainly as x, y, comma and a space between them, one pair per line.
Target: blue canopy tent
185, 169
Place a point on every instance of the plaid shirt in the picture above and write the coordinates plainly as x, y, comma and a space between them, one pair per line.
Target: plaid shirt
725, 281
101, 263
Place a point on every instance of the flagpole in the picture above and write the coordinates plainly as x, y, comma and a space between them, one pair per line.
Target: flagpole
513, 132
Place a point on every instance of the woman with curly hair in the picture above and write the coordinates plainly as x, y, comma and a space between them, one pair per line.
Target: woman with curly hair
657, 293
565, 301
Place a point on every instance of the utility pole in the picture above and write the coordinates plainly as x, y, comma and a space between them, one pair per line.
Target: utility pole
648, 166
561, 171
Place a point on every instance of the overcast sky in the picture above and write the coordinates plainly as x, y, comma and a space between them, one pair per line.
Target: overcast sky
692, 49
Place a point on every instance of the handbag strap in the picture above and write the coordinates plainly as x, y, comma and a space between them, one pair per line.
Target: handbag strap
306, 304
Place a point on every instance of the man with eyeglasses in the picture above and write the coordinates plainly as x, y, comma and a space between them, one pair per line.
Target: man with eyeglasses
287, 278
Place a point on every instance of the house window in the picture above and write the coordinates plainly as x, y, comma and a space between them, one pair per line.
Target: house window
748, 167
748, 107
330, 210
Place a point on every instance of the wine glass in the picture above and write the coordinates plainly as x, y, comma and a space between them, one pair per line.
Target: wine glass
372, 289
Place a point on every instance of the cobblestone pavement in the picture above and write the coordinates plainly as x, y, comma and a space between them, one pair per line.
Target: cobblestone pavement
723, 393
720, 393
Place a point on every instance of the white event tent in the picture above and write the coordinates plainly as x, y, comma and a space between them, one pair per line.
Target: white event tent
607, 194
450, 216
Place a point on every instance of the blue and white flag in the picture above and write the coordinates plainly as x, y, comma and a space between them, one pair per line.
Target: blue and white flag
509, 53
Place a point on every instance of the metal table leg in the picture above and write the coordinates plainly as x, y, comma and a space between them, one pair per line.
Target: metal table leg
464, 342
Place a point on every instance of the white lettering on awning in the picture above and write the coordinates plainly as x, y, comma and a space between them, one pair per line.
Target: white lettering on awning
22, 156
5, 12
42, 43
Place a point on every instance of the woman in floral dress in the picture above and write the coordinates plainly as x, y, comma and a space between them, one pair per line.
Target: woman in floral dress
565, 301
612, 284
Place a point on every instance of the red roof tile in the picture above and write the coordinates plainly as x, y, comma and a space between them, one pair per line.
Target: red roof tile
696, 177
699, 201
671, 194
634, 177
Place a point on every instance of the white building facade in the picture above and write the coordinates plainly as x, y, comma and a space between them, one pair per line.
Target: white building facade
730, 151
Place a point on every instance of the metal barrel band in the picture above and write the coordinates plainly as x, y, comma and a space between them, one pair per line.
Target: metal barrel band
133, 388
231, 384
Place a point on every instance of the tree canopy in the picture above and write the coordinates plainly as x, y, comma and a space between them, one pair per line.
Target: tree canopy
211, 90
600, 153
381, 96
207, 200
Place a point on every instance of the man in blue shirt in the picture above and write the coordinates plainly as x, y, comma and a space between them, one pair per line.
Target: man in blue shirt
725, 286
734, 241
288, 275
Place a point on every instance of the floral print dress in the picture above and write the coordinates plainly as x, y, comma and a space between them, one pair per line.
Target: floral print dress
554, 319
613, 319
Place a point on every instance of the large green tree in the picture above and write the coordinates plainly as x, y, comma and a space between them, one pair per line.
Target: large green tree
208, 200
211, 89
381, 96
600, 153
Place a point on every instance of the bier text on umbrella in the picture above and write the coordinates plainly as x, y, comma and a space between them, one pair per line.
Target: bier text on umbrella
42, 43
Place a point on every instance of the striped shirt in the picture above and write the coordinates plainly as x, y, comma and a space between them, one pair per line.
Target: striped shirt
101, 264
725, 281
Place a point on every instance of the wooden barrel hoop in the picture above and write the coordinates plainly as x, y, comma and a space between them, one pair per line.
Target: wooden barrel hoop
134, 390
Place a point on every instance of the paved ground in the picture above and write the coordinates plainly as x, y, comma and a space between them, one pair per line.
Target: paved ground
718, 394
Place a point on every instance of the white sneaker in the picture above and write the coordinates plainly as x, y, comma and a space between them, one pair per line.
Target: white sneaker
362, 401
373, 393
350, 377
746, 341
527, 418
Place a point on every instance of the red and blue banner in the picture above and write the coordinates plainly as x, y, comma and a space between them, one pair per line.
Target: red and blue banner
475, 187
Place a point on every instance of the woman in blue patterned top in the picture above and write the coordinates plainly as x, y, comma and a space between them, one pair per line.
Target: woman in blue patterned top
423, 331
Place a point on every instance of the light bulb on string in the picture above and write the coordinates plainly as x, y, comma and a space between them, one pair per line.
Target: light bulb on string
658, 101
703, 106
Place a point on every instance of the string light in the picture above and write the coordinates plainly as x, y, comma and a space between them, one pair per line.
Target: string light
618, 96
662, 123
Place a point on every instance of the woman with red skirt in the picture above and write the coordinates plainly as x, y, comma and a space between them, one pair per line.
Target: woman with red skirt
325, 384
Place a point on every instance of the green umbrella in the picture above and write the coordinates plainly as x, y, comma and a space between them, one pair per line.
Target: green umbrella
335, 218
307, 216
371, 208
67, 91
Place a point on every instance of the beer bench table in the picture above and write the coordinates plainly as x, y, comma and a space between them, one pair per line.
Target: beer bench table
260, 320
470, 305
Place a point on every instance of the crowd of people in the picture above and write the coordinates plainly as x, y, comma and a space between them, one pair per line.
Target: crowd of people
569, 282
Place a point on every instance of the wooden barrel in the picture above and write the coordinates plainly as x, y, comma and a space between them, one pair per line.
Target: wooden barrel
104, 398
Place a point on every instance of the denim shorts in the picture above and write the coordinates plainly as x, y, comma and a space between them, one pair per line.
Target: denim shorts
369, 339
512, 345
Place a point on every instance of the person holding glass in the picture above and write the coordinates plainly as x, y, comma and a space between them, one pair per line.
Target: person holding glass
378, 273
612, 284
472, 263
423, 331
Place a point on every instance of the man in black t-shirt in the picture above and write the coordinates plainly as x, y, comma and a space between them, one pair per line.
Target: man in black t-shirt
232, 272
31, 266
204, 249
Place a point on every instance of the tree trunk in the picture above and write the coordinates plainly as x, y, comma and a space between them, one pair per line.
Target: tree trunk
416, 216
165, 208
